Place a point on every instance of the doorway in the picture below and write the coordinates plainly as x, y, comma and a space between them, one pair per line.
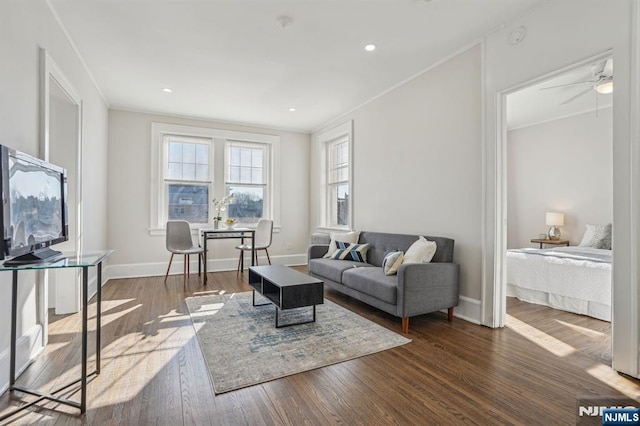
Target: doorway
558, 167
61, 144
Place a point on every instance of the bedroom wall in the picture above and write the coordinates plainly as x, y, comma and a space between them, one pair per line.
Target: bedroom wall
417, 167
137, 253
25, 26
565, 166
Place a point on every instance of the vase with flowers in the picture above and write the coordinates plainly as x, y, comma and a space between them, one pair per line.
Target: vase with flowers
218, 207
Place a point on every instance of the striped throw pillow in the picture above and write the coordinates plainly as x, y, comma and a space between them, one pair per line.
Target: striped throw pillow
350, 251
392, 262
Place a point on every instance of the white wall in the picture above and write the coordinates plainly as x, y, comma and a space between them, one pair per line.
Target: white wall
416, 162
559, 34
565, 166
137, 253
25, 26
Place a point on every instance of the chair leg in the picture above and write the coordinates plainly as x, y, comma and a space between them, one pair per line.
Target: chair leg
239, 262
256, 253
188, 265
200, 259
168, 267
268, 258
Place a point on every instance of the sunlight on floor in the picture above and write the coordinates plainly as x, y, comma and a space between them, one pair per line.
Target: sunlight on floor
107, 317
134, 357
609, 376
582, 330
545, 341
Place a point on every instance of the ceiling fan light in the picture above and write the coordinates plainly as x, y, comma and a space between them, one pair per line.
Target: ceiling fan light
605, 87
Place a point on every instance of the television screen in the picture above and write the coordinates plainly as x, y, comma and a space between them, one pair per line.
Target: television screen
34, 211
35, 197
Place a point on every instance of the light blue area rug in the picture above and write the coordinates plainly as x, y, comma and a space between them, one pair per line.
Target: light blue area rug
242, 347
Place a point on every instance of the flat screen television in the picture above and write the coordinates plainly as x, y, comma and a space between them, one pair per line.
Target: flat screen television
34, 208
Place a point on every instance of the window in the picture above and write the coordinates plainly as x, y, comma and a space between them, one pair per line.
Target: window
338, 182
187, 178
246, 179
193, 165
336, 154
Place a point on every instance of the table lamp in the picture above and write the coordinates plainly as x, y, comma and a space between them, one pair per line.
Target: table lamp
554, 220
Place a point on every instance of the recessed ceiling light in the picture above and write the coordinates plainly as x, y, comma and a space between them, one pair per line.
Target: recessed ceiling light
292, 109
166, 90
370, 47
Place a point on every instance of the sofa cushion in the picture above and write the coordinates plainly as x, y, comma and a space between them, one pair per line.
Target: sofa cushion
332, 269
372, 281
349, 251
382, 243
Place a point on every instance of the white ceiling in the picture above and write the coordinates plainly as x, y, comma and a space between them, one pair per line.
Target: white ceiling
229, 60
540, 102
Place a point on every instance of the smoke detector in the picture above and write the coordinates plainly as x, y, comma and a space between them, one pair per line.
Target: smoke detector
284, 21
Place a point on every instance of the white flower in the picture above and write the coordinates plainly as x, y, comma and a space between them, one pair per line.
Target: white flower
219, 205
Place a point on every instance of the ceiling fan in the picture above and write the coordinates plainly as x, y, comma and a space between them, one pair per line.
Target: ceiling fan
602, 81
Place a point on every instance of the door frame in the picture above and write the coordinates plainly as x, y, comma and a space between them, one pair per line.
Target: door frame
500, 293
50, 70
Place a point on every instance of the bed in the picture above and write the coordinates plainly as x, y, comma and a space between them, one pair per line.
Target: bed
575, 279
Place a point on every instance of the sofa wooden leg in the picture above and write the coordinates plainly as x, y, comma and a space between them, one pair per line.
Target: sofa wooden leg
450, 314
405, 325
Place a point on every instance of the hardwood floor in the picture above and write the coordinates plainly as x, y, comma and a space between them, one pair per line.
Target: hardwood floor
153, 372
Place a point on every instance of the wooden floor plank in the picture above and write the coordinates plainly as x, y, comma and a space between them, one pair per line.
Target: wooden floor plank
153, 370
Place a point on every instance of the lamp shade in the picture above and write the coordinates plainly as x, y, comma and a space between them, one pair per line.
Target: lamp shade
555, 219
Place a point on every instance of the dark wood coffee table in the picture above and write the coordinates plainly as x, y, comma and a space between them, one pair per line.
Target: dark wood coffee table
286, 289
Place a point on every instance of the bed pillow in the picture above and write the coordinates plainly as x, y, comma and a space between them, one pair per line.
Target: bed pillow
347, 237
421, 251
349, 251
392, 262
597, 236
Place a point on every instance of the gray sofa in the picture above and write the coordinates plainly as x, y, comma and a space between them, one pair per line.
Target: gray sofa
417, 289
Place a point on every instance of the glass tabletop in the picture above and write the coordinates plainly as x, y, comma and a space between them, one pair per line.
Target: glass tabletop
65, 260
224, 230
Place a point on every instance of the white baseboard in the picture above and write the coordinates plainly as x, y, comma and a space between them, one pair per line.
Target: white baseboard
134, 270
469, 310
28, 347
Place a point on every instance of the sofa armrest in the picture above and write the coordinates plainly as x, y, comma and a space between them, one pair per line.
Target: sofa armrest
427, 287
317, 250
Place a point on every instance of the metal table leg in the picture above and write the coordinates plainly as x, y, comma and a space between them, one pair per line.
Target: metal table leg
205, 258
85, 308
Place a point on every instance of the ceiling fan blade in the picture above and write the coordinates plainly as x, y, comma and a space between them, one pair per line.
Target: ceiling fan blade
568, 84
573, 98
608, 67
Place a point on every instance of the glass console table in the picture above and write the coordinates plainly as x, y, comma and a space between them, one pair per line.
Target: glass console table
84, 260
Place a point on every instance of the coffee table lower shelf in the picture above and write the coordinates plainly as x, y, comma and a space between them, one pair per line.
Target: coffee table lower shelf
286, 289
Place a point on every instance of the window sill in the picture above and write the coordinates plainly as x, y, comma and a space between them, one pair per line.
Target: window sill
333, 229
160, 232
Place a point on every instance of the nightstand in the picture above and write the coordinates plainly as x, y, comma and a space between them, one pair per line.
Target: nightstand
552, 242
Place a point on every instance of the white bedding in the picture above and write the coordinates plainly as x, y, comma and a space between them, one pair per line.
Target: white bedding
574, 279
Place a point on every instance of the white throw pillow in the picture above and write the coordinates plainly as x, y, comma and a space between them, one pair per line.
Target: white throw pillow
421, 251
597, 236
346, 237
392, 262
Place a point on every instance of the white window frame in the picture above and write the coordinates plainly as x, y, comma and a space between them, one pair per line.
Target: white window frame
325, 140
165, 181
157, 210
266, 172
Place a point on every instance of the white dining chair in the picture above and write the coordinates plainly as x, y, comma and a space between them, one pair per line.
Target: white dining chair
179, 241
262, 241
